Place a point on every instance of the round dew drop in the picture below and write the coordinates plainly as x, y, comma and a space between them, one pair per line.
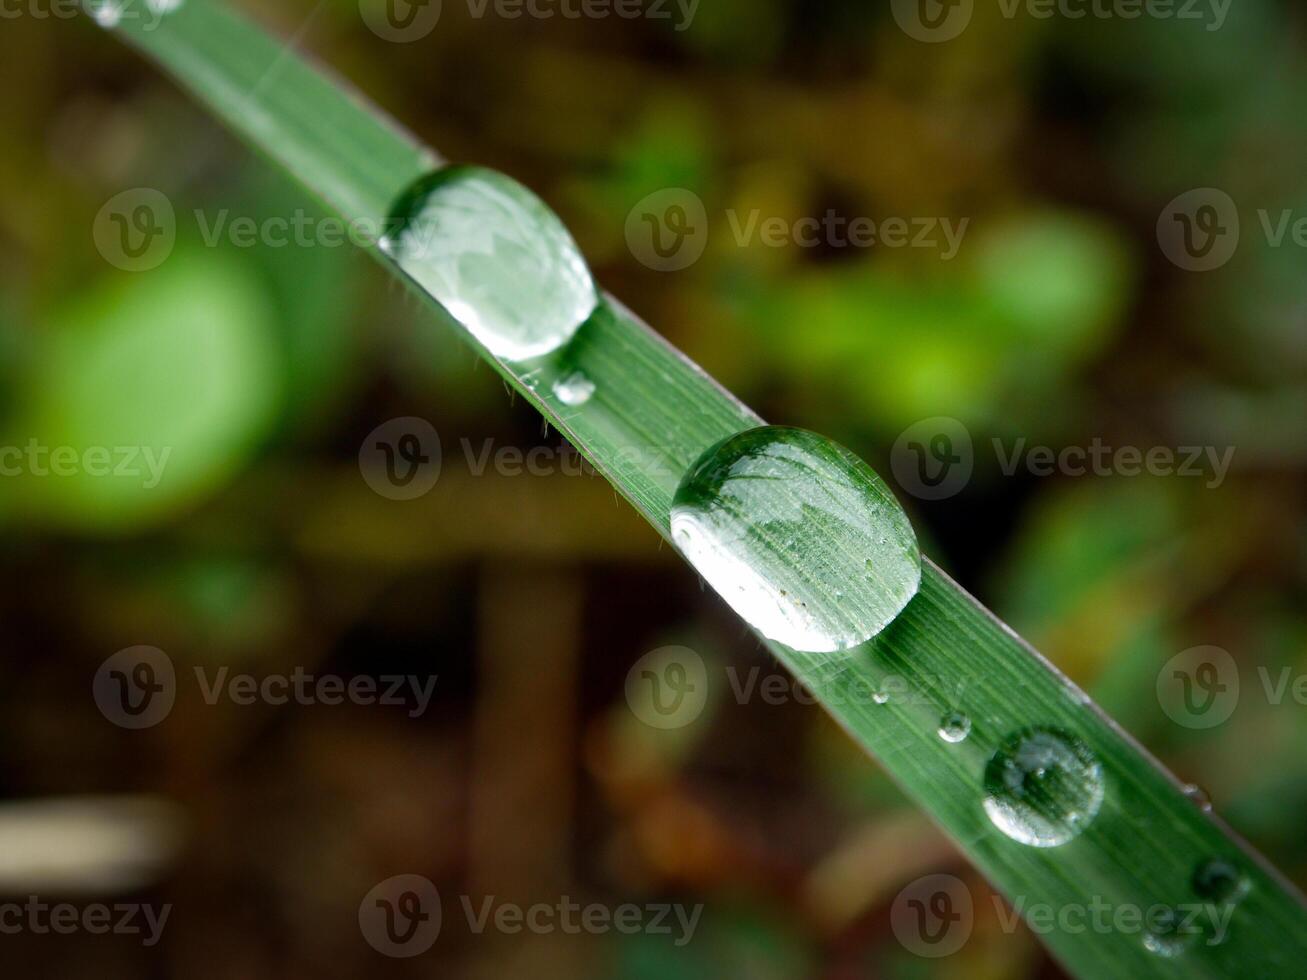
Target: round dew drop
1220, 881
1169, 935
496, 257
954, 727
575, 389
799, 536
1043, 787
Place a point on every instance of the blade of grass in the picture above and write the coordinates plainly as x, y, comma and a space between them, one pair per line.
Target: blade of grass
653, 413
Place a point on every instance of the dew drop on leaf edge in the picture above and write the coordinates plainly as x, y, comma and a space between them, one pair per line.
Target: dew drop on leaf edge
496, 257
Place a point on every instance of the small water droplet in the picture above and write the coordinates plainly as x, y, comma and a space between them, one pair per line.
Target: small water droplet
880, 697
575, 389
954, 727
107, 13
496, 257
1043, 787
1167, 933
1165, 937
1219, 880
746, 498
1199, 797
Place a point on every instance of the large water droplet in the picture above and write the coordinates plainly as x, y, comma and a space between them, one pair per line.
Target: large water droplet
954, 727
495, 257
1043, 787
779, 520
1220, 881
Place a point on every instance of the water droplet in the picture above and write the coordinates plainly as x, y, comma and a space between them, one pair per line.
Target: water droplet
880, 697
778, 519
1043, 787
1220, 881
954, 727
107, 13
575, 389
495, 257
1199, 796
1166, 934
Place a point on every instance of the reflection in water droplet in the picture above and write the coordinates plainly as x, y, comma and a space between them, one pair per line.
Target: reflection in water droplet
880, 697
495, 257
1043, 787
575, 389
779, 519
1219, 880
954, 727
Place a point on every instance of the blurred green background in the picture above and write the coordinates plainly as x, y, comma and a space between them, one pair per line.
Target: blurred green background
530, 597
